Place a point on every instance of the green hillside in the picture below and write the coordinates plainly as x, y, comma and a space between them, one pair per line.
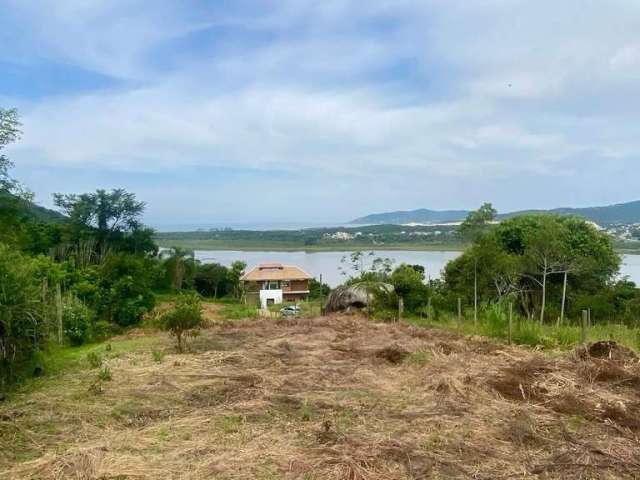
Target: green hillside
31, 210
624, 213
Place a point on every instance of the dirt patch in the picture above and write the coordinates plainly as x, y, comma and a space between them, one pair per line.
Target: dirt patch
523, 381
338, 398
393, 354
611, 351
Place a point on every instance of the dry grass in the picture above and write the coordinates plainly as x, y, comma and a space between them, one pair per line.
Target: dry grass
330, 398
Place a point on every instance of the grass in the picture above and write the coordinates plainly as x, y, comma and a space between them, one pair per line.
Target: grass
260, 245
494, 324
236, 311
312, 400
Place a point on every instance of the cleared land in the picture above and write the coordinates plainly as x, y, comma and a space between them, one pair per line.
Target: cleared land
327, 398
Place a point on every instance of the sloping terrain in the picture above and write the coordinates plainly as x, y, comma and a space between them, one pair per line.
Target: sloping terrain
608, 215
329, 398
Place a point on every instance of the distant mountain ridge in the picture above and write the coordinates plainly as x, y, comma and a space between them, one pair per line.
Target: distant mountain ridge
625, 213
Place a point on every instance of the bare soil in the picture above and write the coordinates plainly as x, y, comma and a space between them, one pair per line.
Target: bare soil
330, 398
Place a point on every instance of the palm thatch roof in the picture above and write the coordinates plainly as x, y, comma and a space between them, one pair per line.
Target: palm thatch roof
358, 295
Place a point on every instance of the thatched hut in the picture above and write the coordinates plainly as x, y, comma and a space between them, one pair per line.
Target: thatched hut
357, 296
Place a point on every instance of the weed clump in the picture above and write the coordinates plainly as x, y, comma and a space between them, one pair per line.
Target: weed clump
157, 356
94, 359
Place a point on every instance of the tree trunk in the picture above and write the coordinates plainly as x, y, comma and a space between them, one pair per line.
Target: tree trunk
544, 297
400, 307
564, 297
215, 291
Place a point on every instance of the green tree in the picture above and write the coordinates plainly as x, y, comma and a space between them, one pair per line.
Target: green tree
478, 221
106, 213
408, 284
25, 320
180, 267
212, 279
185, 317
318, 290
14, 199
530, 257
235, 274
124, 288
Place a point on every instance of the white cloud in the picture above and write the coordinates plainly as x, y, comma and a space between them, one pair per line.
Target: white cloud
338, 89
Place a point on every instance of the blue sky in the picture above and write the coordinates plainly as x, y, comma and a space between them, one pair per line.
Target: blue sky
297, 111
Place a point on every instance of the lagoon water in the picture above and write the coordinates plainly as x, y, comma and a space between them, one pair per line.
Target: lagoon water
328, 263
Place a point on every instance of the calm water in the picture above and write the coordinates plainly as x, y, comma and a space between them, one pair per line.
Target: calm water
328, 263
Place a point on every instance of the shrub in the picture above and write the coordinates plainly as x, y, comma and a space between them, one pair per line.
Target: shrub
104, 374
125, 293
94, 359
157, 356
77, 320
186, 316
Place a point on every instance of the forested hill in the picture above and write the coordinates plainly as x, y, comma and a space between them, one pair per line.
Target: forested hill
609, 215
35, 212
625, 213
422, 215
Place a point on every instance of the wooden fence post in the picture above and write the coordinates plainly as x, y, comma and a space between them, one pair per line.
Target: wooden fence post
321, 298
59, 313
585, 325
510, 322
459, 310
400, 307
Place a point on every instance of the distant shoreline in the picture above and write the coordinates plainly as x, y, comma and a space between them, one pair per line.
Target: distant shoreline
273, 247
206, 245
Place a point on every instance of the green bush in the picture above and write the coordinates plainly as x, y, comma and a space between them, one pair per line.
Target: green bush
186, 316
94, 359
77, 321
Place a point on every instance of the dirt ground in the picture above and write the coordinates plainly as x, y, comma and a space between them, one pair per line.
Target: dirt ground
330, 398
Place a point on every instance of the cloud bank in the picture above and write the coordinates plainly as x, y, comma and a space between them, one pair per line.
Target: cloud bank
323, 111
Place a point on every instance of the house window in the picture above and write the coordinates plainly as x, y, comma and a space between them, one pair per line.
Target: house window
285, 284
271, 285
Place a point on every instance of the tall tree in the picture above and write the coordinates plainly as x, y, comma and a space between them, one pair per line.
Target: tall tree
477, 221
235, 273
180, 265
105, 212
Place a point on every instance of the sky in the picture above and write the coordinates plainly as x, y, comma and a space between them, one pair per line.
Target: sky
281, 111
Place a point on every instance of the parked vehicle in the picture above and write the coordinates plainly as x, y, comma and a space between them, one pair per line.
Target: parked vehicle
290, 310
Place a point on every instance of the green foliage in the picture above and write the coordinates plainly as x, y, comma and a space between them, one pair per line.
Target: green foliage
235, 273
124, 291
235, 311
157, 356
318, 290
526, 258
212, 280
179, 268
186, 316
77, 321
104, 374
477, 221
25, 320
94, 359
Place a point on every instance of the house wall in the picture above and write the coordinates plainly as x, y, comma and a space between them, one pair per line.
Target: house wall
266, 295
298, 285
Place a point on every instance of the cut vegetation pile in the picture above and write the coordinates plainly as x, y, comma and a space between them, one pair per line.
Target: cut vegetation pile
330, 398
